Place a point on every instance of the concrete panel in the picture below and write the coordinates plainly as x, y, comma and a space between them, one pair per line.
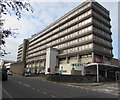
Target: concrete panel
18, 68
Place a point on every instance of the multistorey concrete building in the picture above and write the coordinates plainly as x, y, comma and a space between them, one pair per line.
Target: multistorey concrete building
21, 56
82, 35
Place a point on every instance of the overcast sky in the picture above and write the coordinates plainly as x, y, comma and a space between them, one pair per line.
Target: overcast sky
44, 14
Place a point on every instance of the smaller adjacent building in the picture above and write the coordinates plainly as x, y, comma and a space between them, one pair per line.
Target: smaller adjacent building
6, 64
21, 56
19, 66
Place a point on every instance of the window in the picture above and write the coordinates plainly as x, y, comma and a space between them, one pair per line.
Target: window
90, 28
85, 29
80, 48
80, 40
80, 32
83, 38
86, 38
90, 45
90, 36
80, 17
90, 11
80, 24
89, 20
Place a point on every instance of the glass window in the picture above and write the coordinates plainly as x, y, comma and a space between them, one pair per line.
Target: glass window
90, 45
80, 32
80, 24
80, 39
85, 29
80, 17
90, 28
80, 48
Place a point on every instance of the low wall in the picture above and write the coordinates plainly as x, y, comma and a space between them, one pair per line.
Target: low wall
17, 68
71, 78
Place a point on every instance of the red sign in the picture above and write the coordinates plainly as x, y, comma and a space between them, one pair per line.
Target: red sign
48, 69
98, 60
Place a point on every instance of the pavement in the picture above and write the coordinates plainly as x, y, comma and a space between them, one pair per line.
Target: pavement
104, 87
107, 88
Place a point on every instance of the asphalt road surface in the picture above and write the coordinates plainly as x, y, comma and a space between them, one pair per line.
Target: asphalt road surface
31, 87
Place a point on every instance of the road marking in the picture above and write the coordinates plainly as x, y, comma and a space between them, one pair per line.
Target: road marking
52, 96
33, 88
112, 88
19, 82
44, 92
26, 85
7, 94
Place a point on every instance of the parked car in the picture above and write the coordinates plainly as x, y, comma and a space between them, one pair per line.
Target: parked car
4, 74
27, 74
9, 72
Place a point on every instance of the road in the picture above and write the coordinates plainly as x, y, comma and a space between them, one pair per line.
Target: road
31, 87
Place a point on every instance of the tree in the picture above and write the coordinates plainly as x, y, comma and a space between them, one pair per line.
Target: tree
6, 6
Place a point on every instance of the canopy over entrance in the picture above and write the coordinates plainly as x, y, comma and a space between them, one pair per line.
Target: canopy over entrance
97, 68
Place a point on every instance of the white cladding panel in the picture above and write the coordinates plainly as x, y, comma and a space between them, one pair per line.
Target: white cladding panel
67, 68
51, 60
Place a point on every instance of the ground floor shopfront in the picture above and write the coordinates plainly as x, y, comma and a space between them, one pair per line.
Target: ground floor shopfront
102, 72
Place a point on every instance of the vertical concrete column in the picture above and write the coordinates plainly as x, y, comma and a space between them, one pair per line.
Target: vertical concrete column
103, 59
106, 73
67, 60
78, 58
93, 56
97, 72
24, 49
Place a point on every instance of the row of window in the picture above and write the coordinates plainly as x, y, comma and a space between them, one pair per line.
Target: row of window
20, 49
101, 17
75, 57
86, 56
99, 9
36, 58
70, 36
19, 53
71, 15
102, 33
77, 41
63, 32
63, 26
103, 49
79, 48
75, 49
38, 53
102, 40
79, 10
102, 25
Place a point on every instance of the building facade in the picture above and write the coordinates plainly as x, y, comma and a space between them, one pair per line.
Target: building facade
83, 35
22, 50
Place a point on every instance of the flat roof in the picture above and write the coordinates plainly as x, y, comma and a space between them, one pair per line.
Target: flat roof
92, 64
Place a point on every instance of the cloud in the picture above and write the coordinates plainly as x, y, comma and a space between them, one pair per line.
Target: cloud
12, 47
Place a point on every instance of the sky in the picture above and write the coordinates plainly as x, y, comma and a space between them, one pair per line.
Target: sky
44, 14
